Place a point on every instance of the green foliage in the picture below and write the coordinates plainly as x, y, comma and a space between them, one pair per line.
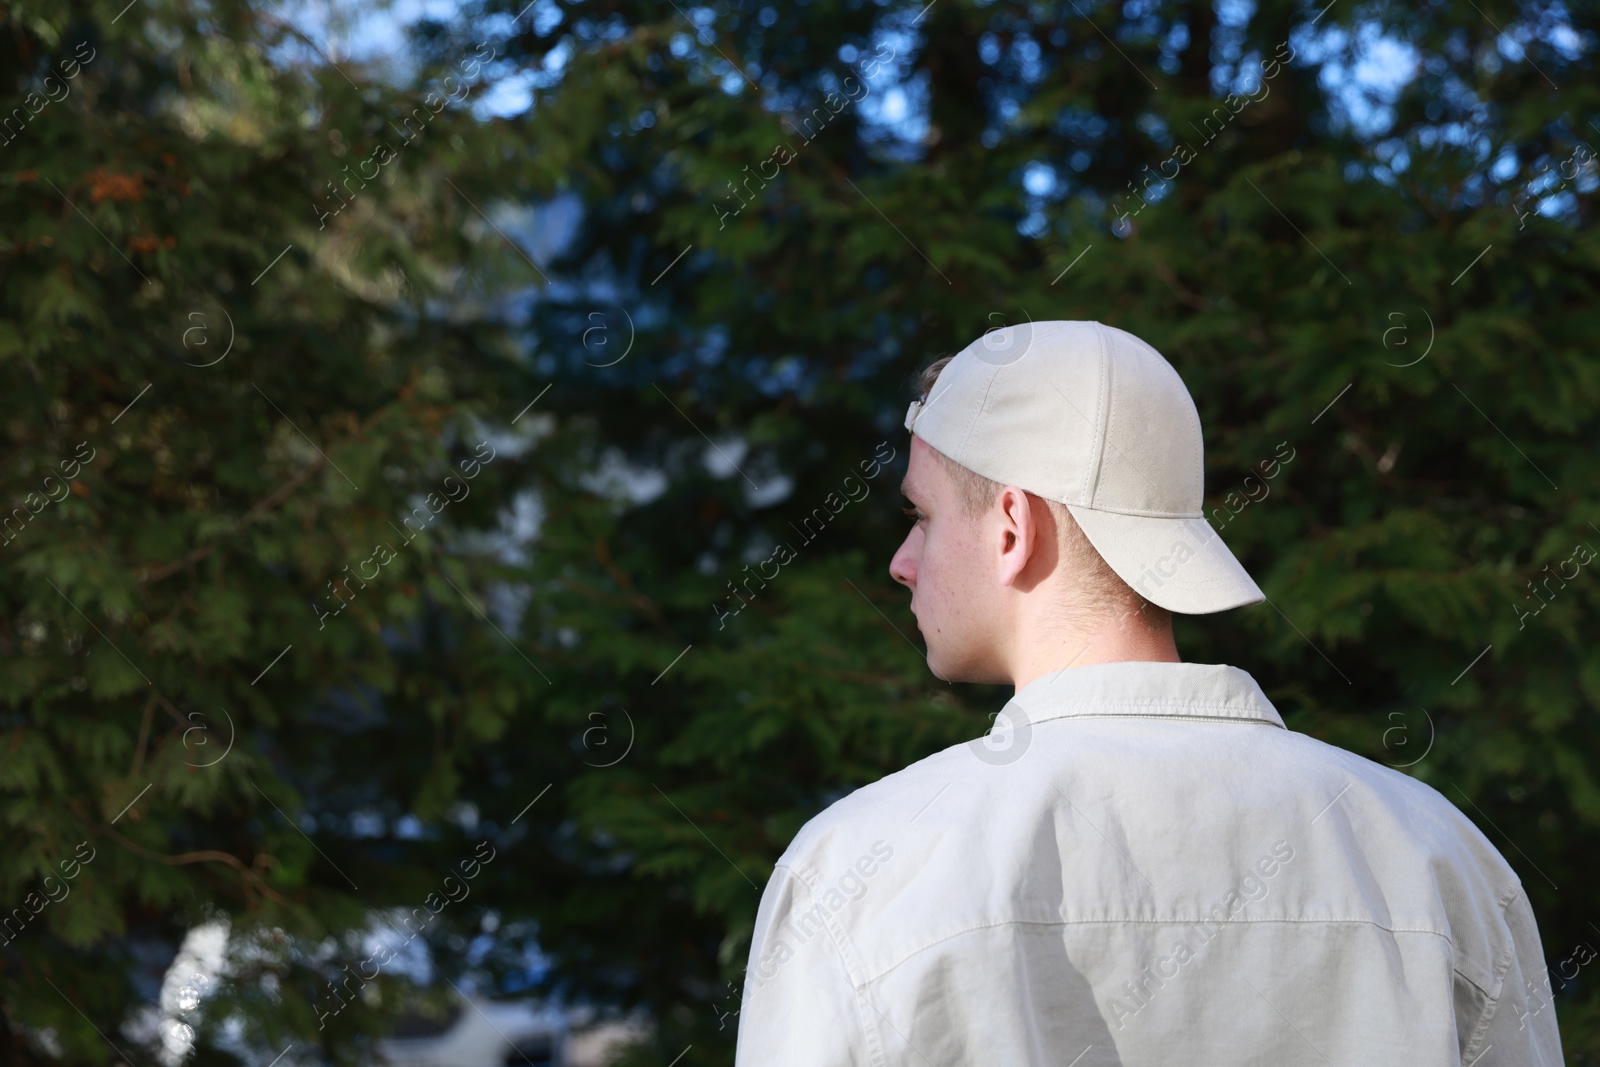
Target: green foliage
202, 434
1373, 299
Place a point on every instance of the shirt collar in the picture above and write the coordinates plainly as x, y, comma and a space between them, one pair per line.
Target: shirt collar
1209, 691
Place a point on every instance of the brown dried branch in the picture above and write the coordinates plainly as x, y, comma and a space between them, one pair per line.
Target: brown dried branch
205, 855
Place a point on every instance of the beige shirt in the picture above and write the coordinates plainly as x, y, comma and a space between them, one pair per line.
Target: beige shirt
1141, 865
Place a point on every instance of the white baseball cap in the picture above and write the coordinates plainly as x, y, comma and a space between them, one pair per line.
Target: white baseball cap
1092, 417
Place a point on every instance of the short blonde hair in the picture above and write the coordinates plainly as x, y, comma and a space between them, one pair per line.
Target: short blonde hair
1104, 589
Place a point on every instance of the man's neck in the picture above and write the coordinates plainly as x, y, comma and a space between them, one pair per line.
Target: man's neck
1116, 641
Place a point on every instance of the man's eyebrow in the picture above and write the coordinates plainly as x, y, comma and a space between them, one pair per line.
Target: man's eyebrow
904, 489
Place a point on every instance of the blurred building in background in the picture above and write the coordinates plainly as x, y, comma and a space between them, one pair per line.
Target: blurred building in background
489, 1033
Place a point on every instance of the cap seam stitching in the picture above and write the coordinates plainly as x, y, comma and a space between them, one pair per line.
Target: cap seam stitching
1197, 443
1144, 514
1095, 468
977, 417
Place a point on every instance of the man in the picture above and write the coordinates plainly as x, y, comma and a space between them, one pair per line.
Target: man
1139, 865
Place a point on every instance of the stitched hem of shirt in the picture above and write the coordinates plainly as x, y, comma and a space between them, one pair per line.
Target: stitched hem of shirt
1131, 702
1154, 715
1116, 702
1252, 711
1146, 922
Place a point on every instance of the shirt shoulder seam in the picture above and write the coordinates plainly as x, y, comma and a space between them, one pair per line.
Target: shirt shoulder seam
1508, 896
867, 980
849, 960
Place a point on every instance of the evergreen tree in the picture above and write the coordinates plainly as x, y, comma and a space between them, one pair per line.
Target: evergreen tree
659, 634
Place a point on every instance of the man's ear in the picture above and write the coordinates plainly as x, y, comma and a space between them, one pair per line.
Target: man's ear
1017, 531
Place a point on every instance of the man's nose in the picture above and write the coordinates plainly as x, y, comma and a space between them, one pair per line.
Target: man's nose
903, 567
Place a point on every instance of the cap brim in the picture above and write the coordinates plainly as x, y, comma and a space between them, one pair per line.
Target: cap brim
1178, 564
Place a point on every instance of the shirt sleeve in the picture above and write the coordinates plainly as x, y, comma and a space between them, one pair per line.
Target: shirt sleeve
1520, 1028
799, 1007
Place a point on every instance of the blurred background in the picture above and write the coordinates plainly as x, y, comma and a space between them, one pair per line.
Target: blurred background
451, 460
